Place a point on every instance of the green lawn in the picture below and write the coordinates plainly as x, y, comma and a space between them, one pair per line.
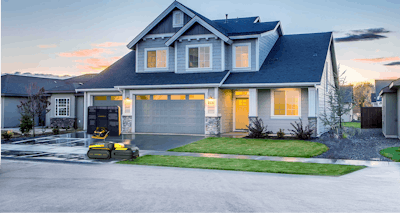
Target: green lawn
391, 153
264, 147
352, 124
245, 165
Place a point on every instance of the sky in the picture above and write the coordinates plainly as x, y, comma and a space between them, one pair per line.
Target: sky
76, 37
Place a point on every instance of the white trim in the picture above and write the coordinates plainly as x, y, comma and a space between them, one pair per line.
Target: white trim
277, 117
137, 57
234, 68
257, 20
285, 116
391, 136
223, 80
234, 109
171, 91
168, 86
257, 54
176, 56
96, 90
133, 110
222, 55
197, 37
253, 102
123, 105
85, 111
273, 30
204, 24
312, 102
187, 57
216, 93
161, 35
156, 68
244, 36
57, 108
174, 5
247, 85
174, 25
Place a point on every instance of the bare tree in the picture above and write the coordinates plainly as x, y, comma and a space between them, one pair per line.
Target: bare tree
337, 107
35, 104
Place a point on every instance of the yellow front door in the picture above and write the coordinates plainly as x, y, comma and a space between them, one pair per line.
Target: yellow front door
242, 113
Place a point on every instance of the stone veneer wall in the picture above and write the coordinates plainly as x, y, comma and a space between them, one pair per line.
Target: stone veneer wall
313, 123
213, 125
62, 122
126, 124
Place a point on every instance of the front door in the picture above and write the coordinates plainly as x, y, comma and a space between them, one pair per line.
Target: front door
242, 113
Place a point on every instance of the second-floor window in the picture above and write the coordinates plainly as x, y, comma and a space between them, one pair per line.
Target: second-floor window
156, 58
62, 107
241, 56
198, 56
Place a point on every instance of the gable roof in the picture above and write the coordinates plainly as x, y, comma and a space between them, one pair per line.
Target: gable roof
296, 58
15, 85
245, 26
379, 85
122, 73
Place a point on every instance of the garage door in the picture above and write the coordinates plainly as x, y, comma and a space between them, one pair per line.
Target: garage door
170, 114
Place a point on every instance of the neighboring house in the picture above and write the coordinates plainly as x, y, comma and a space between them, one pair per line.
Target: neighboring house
14, 90
187, 74
376, 100
348, 100
390, 109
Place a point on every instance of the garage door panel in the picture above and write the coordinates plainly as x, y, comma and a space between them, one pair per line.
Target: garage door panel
170, 116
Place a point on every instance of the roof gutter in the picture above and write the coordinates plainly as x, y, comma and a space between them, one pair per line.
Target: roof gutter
96, 90
166, 86
274, 85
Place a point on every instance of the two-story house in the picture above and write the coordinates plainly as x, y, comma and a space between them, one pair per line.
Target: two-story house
187, 74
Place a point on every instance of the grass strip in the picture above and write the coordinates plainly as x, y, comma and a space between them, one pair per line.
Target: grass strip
245, 165
391, 153
352, 124
262, 147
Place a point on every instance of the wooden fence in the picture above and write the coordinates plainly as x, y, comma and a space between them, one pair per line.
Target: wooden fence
371, 117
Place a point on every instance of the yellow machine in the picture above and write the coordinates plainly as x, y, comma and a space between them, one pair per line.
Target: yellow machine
112, 150
100, 133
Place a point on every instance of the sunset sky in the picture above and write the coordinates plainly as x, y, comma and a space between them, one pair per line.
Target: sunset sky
76, 37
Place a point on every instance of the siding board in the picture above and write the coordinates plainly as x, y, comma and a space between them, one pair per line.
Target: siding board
166, 26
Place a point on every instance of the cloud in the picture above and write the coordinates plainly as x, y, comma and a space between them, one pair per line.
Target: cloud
109, 44
45, 46
95, 52
364, 35
396, 63
91, 65
377, 60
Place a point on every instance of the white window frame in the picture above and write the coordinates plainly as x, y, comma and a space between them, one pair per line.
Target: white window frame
57, 107
173, 19
198, 46
273, 116
234, 56
152, 68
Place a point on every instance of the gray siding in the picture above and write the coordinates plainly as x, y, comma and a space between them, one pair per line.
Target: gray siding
156, 43
10, 114
225, 108
264, 111
197, 29
389, 114
79, 112
52, 113
265, 44
228, 54
216, 53
165, 25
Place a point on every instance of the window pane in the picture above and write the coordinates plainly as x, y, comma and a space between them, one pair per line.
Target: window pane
279, 102
292, 102
143, 97
151, 59
161, 58
160, 97
242, 56
196, 97
116, 98
178, 97
100, 98
193, 57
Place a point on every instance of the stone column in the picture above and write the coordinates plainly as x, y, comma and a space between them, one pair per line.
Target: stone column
213, 125
313, 123
126, 124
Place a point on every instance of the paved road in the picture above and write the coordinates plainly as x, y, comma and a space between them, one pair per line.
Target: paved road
50, 187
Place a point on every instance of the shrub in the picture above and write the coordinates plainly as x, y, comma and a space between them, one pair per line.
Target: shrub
67, 128
301, 132
7, 134
280, 134
257, 129
26, 124
56, 130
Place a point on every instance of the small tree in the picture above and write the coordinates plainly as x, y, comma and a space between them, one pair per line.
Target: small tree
35, 104
337, 107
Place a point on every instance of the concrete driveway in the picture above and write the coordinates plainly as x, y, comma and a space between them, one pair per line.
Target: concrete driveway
160, 142
49, 187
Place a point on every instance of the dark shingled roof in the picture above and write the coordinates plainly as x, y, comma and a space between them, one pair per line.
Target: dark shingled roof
122, 73
245, 26
294, 58
379, 85
348, 94
72, 83
15, 85
387, 90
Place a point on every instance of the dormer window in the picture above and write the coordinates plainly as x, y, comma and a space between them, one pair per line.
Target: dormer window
177, 19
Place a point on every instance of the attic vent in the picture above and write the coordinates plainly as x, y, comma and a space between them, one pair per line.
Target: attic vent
177, 19
80, 83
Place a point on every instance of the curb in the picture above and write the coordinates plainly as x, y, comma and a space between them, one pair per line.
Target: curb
50, 160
